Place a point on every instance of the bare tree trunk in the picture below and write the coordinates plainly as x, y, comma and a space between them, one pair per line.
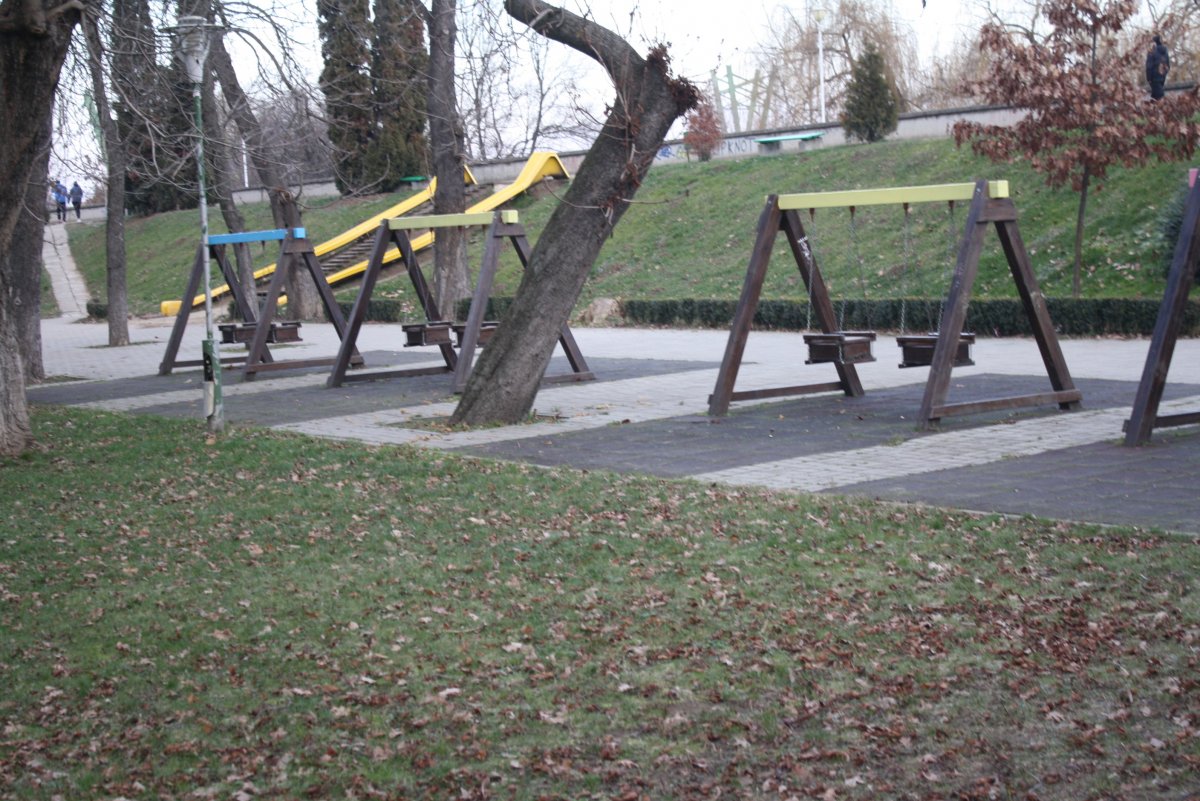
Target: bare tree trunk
504, 383
304, 302
1077, 275
117, 313
447, 139
27, 250
217, 155
34, 36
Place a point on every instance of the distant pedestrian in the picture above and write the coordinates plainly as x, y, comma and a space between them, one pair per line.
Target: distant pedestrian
60, 201
76, 194
1158, 64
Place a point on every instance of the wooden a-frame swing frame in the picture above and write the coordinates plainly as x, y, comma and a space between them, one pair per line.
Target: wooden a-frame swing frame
245, 308
295, 250
990, 205
435, 330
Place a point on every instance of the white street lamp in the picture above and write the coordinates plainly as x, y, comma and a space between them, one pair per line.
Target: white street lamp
192, 47
819, 16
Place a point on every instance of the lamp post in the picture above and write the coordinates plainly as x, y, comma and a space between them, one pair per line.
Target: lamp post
192, 48
819, 16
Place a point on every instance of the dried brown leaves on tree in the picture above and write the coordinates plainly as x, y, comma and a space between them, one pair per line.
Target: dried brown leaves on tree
1088, 106
703, 136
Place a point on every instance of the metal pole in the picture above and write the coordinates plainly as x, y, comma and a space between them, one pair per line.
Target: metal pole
821, 68
214, 407
192, 45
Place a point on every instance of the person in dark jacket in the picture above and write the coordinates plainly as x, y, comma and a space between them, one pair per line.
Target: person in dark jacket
1158, 64
76, 195
60, 201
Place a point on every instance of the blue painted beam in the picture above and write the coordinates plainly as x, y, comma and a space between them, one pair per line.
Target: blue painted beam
255, 236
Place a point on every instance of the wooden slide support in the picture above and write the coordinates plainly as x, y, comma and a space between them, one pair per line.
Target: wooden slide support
434, 330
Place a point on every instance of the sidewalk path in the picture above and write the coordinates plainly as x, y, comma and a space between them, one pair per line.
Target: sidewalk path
70, 290
647, 414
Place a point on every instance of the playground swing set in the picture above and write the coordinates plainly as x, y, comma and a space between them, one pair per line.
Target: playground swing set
258, 327
434, 329
942, 350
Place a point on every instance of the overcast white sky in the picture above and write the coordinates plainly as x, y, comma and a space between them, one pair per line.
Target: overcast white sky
709, 34
705, 34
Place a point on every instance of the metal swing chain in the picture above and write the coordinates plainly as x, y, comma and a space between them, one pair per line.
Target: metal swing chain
951, 257
807, 244
856, 256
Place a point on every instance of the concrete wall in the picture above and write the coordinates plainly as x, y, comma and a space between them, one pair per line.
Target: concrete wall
922, 125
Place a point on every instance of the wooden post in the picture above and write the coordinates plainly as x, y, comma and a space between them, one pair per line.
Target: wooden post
1144, 417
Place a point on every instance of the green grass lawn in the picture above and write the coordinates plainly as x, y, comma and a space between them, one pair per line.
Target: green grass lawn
273, 616
689, 232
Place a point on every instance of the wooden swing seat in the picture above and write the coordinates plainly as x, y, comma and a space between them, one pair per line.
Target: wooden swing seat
916, 350
840, 347
432, 332
243, 333
486, 329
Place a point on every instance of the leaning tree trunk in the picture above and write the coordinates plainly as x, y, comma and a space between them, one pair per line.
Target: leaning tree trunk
451, 282
504, 383
34, 36
304, 301
115, 160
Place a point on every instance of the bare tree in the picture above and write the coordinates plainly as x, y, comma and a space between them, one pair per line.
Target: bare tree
115, 161
303, 300
447, 139
648, 101
26, 250
844, 34
34, 37
514, 93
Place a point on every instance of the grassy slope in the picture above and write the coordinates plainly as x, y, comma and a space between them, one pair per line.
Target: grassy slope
278, 617
691, 228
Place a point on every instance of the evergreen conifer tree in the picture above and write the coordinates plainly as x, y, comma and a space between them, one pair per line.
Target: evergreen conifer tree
872, 109
374, 85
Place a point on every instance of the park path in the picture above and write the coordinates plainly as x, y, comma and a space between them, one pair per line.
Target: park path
70, 290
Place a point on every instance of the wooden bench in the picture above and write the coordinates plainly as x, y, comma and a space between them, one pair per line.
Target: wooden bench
774, 144
486, 329
243, 333
840, 347
432, 332
916, 350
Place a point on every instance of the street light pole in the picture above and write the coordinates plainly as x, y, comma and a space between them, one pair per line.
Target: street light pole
192, 45
819, 16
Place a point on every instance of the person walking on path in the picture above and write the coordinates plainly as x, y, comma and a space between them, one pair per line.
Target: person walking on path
76, 195
1158, 64
60, 201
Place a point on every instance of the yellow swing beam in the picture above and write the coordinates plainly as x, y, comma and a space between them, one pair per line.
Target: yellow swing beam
932, 193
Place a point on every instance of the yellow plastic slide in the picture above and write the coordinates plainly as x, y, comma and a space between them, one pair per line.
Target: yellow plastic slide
541, 164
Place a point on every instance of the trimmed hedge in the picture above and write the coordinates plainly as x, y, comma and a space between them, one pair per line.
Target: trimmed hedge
1001, 317
391, 310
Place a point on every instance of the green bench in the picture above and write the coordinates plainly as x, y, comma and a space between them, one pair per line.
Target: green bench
774, 144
